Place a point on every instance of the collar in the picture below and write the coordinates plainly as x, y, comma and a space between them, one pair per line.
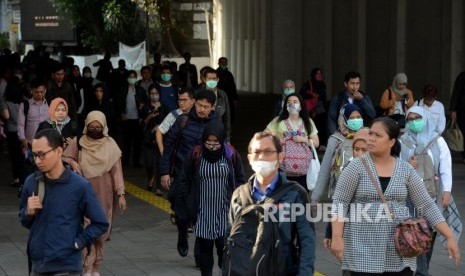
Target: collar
257, 193
38, 102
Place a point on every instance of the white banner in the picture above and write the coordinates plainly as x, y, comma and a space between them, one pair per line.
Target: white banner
135, 56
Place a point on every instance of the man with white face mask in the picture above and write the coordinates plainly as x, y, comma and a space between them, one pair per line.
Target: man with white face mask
268, 182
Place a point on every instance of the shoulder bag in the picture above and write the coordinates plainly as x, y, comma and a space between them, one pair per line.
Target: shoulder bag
412, 236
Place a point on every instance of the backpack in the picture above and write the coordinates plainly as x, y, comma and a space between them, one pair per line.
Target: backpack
341, 157
253, 246
426, 168
297, 156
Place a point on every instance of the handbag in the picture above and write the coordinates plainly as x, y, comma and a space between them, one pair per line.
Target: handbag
453, 136
412, 236
297, 156
313, 169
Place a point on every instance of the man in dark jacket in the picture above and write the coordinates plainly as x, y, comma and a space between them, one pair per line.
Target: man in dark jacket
228, 85
265, 155
59, 87
188, 73
53, 205
184, 135
353, 95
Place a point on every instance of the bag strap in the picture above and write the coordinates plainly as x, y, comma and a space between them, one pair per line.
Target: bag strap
40, 187
373, 180
315, 156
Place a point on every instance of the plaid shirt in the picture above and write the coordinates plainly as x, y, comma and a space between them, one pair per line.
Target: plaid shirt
369, 246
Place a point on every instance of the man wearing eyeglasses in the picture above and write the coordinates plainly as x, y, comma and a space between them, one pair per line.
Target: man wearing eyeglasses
265, 155
54, 202
184, 135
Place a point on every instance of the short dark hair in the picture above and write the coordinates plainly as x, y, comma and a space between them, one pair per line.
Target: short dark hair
54, 139
204, 94
58, 67
37, 82
152, 86
430, 91
264, 134
189, 91
209, 70
132, 72
166, 67
145, 68
352, 75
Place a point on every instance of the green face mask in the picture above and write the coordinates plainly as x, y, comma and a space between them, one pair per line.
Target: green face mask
416, 126
166, 77
355, 124
288, 91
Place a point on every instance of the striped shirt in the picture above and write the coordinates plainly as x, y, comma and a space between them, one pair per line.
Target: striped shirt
212, 218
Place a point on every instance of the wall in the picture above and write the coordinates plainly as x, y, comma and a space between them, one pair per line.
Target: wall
423, 38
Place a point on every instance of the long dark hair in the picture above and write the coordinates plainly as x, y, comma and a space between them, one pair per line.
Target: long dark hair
302, 114
393, 131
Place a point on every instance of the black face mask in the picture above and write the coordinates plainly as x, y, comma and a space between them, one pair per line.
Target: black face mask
95, 134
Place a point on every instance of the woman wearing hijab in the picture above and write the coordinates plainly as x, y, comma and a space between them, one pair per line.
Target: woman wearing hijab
100, 163
211, 173
421, 138
60, 121
339, 150
397, 98
288, 88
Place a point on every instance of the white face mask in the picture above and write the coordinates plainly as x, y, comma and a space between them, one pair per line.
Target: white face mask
264, 168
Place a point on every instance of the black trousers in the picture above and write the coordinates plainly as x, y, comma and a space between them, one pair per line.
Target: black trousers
206, 254
405, 272
132, 140
16, 154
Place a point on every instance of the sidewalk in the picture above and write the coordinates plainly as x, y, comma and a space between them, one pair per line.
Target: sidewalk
144, 240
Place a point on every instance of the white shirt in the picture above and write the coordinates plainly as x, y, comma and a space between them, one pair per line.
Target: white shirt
131, 105
437, 115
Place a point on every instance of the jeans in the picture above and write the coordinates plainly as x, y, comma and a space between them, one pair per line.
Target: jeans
423, 260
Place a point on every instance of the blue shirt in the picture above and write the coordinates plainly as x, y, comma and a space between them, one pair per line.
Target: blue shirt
257, 193
169, 97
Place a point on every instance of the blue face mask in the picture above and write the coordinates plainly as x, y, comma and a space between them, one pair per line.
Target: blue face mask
416, 126
355, 124
224, 67
211, 84
166, 77
288, 91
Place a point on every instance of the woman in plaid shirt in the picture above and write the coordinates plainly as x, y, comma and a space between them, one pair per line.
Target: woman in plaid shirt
364, 239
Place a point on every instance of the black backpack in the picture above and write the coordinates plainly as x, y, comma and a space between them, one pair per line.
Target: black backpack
253, 246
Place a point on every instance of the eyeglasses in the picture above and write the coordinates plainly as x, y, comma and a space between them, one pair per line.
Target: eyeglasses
94, 128
266, 153
41, 155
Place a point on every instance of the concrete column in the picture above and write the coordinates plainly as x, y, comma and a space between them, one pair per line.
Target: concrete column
400, 35
457, 51
361, 40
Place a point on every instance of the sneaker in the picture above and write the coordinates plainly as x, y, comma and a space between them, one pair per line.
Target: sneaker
158, 192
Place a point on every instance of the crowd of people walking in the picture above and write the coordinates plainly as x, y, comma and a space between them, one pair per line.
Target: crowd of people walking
70, 136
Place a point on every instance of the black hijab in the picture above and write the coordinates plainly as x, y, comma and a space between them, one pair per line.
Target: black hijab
216, 129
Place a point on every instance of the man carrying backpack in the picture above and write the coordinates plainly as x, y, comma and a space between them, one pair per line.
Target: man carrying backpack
259, 243
429, 155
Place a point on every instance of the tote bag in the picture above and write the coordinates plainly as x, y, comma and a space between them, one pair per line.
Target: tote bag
313, 169
453, 136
